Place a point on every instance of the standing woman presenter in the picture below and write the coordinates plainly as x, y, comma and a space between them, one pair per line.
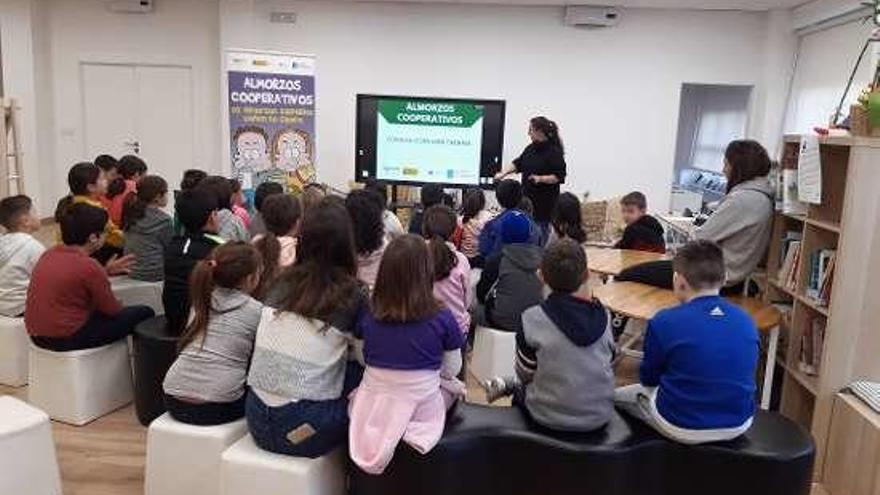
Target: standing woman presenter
542, 165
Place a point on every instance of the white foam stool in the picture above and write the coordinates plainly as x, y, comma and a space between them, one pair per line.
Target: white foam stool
27, 453
77, 387
131, 292
169, 441
474, 279
494, 353
13, 352
246, 470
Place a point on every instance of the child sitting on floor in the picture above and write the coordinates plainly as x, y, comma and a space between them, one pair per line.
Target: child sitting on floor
564, 350
19, 252
70, 305
565, 220
366, 209
148, 230
197, 211
206, 384
698, 372
412, 352
281, 214
305, 355
264, 190
452, 272
643, 232
509, 283
88, 185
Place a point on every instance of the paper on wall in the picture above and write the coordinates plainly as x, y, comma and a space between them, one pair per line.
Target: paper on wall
810, 171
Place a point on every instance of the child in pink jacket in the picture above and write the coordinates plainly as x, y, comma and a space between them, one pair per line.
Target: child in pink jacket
412, 352
452, 271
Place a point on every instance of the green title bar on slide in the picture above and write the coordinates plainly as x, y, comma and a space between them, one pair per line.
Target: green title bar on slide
432, 113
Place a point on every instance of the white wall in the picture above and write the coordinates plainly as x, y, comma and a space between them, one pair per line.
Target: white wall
20, 58
825, 59
179, 32
614, 92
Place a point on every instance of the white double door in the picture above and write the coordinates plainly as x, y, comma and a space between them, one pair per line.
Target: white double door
145, 110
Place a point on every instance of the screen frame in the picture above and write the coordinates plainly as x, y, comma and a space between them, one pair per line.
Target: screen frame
479, 101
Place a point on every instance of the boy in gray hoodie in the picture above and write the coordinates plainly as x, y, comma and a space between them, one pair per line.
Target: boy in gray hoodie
563, 351
509, 283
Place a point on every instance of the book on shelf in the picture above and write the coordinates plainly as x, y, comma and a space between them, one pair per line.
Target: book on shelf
791, 204
812, 346
822, 262
787, 276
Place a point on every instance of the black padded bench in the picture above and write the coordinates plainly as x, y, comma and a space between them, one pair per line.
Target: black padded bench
499, 451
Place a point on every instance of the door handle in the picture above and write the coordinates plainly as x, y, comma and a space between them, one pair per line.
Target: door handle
135, 145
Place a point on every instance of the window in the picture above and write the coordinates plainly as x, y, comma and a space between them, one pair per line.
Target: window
710, 117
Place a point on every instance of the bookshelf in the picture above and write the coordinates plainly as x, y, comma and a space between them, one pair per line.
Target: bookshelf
848, 222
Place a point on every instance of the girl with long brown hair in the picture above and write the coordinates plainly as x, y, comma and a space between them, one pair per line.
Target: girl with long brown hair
412, 352
148, 229
306, 351
206, 384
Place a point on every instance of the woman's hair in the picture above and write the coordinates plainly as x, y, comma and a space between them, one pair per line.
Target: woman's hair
131, 165
280, 213
747, 159
438, 226
149, 188
81, 176
404, 286
191, 178
549, 129
472, 203
566, 219
220, 187
323, 278
366, 210
227, 266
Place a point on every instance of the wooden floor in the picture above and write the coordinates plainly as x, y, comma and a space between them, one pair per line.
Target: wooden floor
106, 457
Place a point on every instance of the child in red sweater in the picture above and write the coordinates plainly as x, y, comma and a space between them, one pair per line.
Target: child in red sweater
70, 305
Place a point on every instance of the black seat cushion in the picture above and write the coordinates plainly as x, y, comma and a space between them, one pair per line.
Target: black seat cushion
155, 350
488, 450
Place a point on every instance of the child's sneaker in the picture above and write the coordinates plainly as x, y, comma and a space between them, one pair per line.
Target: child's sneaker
495, 388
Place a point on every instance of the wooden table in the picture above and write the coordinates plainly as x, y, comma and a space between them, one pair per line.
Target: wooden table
606, 261
642, 302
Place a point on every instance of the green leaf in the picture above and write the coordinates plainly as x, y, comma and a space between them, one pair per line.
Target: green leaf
874, 109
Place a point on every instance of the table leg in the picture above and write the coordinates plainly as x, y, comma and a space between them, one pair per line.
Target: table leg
769, 368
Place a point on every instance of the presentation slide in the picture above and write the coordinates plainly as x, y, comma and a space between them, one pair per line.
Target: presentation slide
429, 141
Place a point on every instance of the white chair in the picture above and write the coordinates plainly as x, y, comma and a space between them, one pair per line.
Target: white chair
494, 353
27, 453
133, 292
77, 387
246, 469
169, 442
13, 352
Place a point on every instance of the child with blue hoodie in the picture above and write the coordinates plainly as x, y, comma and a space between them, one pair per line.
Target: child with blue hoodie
563, 351
698, 373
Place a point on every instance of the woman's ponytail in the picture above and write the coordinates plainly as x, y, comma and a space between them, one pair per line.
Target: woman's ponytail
549, 129
438, 226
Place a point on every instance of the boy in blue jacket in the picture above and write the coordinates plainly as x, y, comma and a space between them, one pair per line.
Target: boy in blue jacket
698, 373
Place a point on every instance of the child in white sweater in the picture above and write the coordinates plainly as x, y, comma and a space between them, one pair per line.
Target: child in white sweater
19, 252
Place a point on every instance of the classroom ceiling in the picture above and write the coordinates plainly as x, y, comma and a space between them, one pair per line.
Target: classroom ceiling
659, 4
